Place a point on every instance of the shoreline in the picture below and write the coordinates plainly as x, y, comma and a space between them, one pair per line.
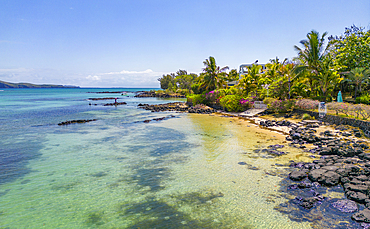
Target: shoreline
342, 163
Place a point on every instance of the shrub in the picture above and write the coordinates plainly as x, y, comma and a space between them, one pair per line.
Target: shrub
364, 111
182, 91
197, 99
268, 101
212, 97
279, 106
307, 104
364, 99
339, 108
307, 117
358, 110
246, 103
231, 103
197, 88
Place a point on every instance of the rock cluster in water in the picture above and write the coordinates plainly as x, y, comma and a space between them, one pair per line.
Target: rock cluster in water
344, 162
115, 104
158, 119
107, 98
158, 95
177, 106
76, 121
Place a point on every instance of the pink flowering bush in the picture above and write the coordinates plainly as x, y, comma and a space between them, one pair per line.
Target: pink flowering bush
212, 97
307, 104
339, 108
354, 110
246, 103
280, 106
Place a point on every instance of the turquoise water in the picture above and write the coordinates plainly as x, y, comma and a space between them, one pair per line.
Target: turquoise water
119, 172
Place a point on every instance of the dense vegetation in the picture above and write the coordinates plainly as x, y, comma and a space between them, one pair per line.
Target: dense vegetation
323, 67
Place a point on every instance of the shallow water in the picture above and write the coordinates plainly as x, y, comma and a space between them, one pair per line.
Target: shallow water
119, 172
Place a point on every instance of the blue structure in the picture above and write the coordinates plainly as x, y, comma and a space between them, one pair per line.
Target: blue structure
339, 98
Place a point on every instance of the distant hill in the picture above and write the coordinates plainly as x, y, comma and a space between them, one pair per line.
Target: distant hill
4, 84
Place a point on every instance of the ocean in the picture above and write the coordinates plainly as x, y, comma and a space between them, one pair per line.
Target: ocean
186, 171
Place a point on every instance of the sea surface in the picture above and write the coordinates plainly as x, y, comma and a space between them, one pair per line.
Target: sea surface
186, 171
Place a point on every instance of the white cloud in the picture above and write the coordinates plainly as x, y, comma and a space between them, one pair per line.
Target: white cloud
148, 71
90, 77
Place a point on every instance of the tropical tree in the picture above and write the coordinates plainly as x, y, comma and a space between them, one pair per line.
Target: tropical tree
251, 81
186, 80
213, 75
299, 88
327, 77
357, 76
232, 76
352, 49
311, 56
167, 81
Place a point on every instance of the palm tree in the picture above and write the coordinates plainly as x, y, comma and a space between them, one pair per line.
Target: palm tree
357, 76
213, 74
286, 70
327, 77
311, 56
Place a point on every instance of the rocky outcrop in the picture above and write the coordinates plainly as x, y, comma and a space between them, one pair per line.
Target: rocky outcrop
337, 120
107, 98
179, 107
344, 162
76, 121
115, 104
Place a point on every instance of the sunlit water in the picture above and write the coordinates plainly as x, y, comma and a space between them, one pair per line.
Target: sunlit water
119, 172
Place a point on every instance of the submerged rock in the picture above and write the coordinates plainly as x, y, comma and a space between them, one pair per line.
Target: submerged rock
347, 206
76, 121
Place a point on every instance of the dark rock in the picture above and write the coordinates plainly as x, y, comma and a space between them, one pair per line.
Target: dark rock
308, 203
356, 188
76, 121
359, 197
115, 104
304, 184
329, 178
297, 175
315, 174
362, 216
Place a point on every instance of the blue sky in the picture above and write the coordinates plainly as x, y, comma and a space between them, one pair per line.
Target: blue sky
131, 43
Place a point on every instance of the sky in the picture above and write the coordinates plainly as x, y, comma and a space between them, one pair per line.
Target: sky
132, 43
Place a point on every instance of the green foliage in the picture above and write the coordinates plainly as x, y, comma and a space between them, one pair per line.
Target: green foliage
232, 76
231, 103
306, 116
251, 82
167, 81
197, 88
182, 91
213, 75
197, 99
357, 76
268, 101
364, 99
353, 49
